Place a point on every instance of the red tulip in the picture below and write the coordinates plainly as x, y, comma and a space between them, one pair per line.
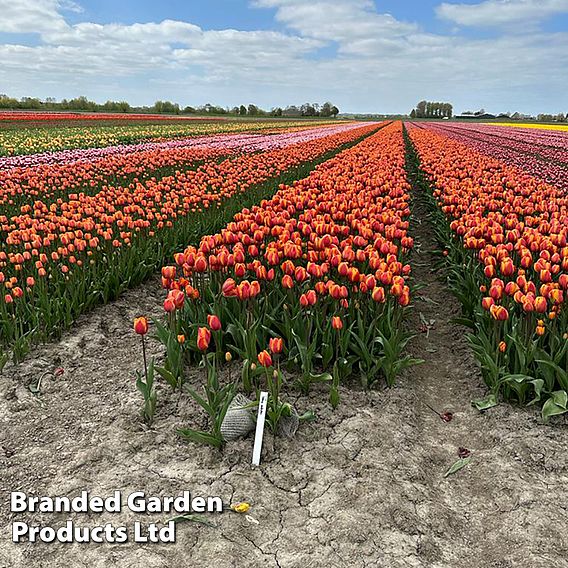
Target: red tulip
169, 304
178, 298
229, 288
378, 294
169, 272
287, 282
540, 305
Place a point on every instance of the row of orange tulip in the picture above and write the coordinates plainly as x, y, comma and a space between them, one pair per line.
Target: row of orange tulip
514, 229
321, 265
58, 258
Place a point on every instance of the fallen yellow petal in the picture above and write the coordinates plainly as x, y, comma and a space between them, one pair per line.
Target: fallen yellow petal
240, 507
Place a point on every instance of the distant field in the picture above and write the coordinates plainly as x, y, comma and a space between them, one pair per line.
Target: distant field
26, 137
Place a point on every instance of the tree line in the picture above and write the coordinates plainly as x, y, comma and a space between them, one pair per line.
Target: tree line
430, 109
560, 117
325, 110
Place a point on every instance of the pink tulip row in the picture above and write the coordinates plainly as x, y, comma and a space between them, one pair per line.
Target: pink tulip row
231, 143
527, 150
548, 144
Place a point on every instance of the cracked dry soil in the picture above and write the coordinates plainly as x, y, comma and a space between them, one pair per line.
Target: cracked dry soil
361, 487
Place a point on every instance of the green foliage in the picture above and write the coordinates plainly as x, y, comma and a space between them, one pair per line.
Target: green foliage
215, 403
145, 384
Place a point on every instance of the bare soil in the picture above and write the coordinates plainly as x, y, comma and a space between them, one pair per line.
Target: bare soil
361, 487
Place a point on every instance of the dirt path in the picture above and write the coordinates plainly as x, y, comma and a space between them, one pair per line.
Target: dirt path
505, 508
361, 487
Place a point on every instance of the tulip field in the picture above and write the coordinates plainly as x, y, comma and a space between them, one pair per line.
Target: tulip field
249, 230
76, 233
24, 137
393, 294
320, 267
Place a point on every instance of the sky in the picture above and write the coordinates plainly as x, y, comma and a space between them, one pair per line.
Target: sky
380, 56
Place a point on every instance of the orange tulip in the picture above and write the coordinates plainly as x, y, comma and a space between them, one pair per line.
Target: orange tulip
141, 325
336, 323
203, 338
265, 359
214, 322
276, 345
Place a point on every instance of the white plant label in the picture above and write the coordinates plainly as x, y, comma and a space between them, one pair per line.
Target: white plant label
259, 434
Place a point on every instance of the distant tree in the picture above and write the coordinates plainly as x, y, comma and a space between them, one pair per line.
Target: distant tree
243, 110
432, 109
252, 110
307, 109
325, 109
165, 107
334, 111
30, 103
291, 110
421, 109
276, 111
413, 113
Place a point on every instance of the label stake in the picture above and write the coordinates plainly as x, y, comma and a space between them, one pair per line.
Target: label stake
259, 434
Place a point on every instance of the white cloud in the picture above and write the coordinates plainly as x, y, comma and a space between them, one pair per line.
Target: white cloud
501, 12
350, 23
31, 16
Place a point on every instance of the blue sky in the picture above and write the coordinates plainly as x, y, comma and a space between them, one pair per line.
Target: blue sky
363, 55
